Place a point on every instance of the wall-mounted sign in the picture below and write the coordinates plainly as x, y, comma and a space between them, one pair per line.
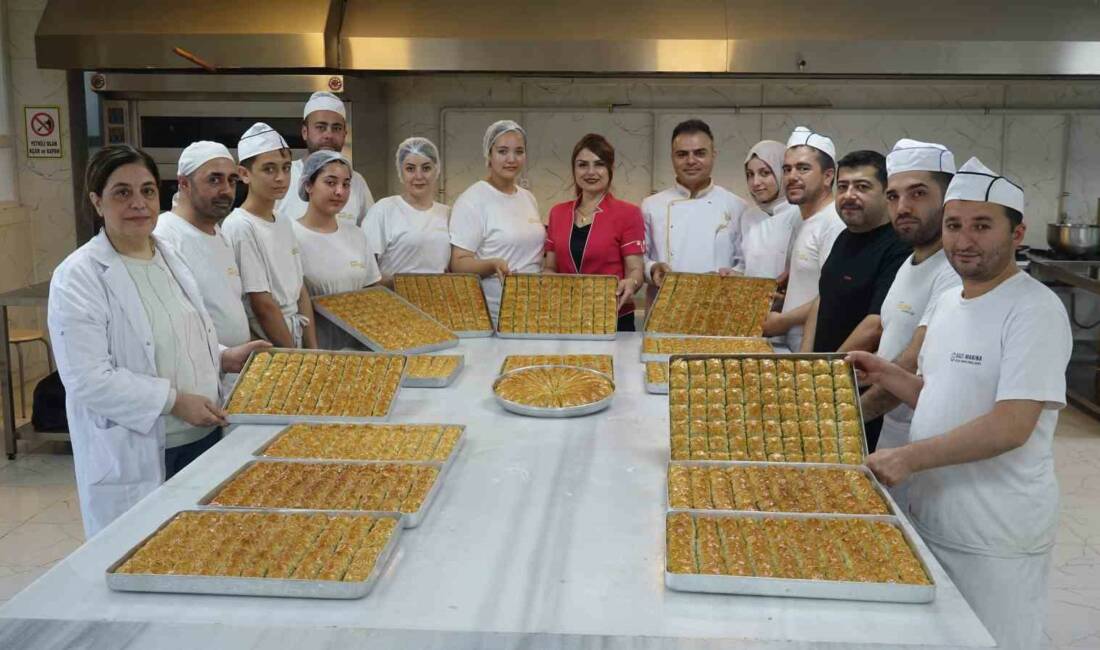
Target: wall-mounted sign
42, 126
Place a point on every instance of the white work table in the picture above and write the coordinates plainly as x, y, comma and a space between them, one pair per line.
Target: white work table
547, 533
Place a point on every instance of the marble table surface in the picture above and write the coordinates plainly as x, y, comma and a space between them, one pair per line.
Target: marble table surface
548, 533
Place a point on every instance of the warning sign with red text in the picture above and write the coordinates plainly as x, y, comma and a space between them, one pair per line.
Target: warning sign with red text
43, 131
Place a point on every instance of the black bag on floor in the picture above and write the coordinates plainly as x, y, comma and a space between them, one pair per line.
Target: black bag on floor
48, 409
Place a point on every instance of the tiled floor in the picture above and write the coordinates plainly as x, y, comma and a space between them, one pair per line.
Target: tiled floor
40, 524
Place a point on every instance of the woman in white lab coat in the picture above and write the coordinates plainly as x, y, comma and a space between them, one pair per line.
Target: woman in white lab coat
408, 231
110, 343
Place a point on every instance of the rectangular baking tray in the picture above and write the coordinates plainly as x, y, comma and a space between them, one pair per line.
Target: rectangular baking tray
408, 520
645, 325
654, 388
371, 343
281, 418
229, 586
810, 356
260, 453
656, 356
561, 337
862, 469
803, 588
435, 382
462, 334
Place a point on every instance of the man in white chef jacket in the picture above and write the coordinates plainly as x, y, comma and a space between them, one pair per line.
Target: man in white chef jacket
918, 176
694, 226
324, 126
207, 176
809, 170
982, 490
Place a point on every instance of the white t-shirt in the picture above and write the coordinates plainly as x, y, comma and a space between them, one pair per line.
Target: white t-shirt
211, 260
766, 239
1012, 343
812, 244
407, 240
494, 224
180, 345
270, 262
336, 262
294, 208
915, 287
693, 235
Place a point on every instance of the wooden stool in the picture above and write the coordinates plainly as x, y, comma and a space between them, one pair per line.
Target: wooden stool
19, 338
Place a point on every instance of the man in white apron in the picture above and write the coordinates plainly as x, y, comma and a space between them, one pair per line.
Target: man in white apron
982, 488
918, 175
809, 170
325, 126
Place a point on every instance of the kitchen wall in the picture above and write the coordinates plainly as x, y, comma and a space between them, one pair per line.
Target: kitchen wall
36, 209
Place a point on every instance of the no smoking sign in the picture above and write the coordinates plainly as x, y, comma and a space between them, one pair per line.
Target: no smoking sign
42, 131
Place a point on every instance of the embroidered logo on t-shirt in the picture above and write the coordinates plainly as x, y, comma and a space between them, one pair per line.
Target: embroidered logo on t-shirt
968, 359
906, 308
356, 264
232, 271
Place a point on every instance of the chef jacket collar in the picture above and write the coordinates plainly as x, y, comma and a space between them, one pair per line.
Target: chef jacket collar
686, 193
600, 207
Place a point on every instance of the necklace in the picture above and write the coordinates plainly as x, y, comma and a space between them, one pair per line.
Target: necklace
585, 216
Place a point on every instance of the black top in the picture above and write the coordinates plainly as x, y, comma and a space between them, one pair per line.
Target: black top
854, 282
577, 240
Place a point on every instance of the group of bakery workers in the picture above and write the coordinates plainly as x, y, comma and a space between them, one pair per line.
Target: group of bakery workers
903, 261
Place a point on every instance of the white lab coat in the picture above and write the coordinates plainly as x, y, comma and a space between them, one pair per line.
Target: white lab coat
103, 344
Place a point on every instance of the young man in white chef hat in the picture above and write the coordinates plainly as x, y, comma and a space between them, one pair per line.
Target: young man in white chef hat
207, 176
694, 226
324, 126
809, 169
267, 252
918, 176
982, 490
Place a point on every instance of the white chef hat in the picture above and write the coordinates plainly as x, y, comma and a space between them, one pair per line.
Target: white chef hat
324, 101
259, 138
915, 156
416, 146
801, 136
199, 153
976, 182
497, 129
313, 164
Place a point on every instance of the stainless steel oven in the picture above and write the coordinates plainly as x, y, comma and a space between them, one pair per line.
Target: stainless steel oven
163, 113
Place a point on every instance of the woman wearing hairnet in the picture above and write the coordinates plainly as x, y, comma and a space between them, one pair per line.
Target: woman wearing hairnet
596, 233
495, 224
335, 254
408, 232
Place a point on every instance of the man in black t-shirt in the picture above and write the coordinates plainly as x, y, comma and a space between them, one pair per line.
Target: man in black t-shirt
861, 266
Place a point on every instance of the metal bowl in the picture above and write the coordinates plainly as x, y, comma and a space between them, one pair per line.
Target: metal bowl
1074, 238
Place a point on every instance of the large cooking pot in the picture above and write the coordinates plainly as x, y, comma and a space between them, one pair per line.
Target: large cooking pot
1074, 238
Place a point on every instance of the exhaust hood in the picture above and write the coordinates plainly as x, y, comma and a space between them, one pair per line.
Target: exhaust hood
143, 34
742, 37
